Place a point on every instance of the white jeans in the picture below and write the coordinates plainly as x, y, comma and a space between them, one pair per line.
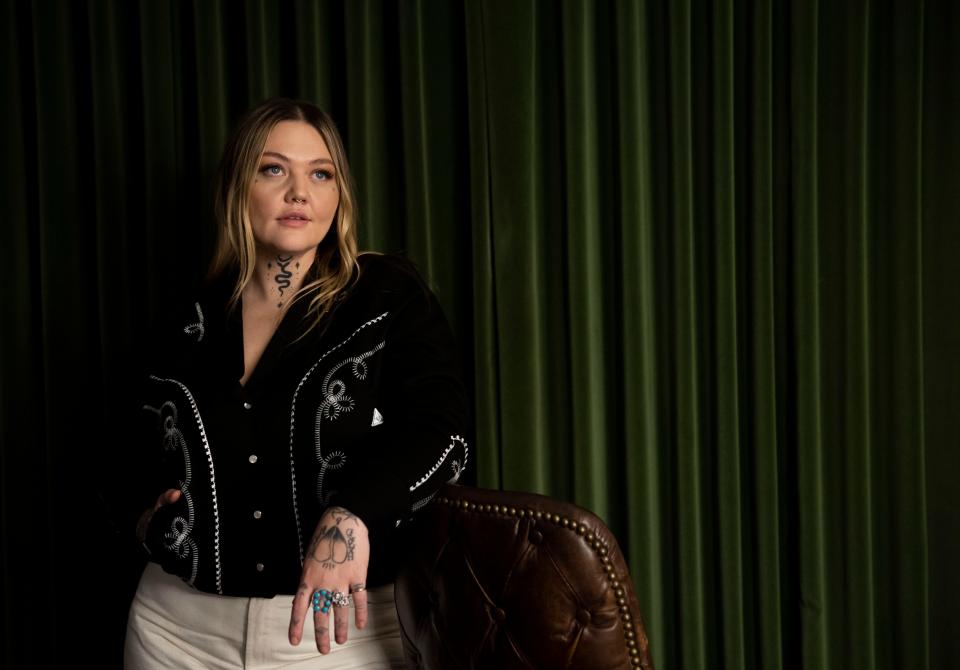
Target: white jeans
173, 626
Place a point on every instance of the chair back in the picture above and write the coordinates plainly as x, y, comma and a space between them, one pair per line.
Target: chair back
499, 579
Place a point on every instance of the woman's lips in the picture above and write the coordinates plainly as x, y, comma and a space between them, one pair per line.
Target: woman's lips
293, 222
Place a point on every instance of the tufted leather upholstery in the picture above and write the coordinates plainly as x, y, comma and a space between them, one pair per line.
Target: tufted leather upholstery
497, 580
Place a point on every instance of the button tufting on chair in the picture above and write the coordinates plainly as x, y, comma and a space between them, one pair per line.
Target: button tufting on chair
499, 579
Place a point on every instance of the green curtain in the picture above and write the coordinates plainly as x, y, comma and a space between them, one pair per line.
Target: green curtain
700, 257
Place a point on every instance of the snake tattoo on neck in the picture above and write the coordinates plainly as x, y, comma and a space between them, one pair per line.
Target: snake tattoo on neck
283, 276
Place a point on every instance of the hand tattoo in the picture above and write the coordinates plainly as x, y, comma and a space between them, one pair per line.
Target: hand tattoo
331, 546
340, 514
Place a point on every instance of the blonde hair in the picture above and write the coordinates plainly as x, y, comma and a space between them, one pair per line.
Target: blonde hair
335, 265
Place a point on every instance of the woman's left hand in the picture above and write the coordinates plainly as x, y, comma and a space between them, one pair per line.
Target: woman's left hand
336, 560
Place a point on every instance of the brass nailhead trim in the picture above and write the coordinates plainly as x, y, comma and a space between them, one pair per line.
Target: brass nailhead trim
593, 539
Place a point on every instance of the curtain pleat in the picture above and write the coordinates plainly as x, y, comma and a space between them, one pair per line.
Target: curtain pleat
156, 92
265, 67
319, 47
647, 531
901, 580
417, 173
723, 301
585, 259
700, 258
805, 426
486, 350
937, 292
761, 277
687, 243
21, 352
371, 89
527, 347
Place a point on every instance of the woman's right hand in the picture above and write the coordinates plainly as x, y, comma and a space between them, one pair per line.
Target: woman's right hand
168, 497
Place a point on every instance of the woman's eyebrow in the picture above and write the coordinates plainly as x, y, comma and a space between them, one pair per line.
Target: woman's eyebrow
285, 159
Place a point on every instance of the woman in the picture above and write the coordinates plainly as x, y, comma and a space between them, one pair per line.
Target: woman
302, 407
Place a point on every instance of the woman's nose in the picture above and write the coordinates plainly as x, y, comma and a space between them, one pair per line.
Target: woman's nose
298, 189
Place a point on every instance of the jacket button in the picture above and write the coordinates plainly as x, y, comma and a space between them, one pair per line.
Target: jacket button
260, 567
247, 405
252, 458
257, 514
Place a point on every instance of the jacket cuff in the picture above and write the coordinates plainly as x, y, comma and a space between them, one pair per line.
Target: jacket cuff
380, 502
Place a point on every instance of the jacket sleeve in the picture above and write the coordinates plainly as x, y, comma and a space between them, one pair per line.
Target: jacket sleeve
131, 469
421, 443
134, 465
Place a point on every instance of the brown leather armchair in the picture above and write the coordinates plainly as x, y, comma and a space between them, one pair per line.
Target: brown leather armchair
497, 580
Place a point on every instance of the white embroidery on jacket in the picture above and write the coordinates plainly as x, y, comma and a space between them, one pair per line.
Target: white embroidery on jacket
177, 538
196, 328
377, 418
422, 503
454, 441
335, 401
335, 398
293, 414
334, 461
213, 480
457, 469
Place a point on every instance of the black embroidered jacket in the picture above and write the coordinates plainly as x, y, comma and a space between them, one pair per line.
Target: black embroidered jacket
366, 412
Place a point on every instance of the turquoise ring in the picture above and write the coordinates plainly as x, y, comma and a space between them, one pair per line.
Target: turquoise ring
321, 601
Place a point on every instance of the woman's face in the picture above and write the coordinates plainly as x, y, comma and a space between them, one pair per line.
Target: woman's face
294, 195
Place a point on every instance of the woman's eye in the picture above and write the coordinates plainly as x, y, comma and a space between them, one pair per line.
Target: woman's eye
323, 175
272, 170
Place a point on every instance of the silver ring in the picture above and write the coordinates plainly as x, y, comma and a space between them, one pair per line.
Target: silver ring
357, 588
339, 599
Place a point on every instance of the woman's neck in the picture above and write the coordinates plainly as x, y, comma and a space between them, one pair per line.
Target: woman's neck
277, 277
